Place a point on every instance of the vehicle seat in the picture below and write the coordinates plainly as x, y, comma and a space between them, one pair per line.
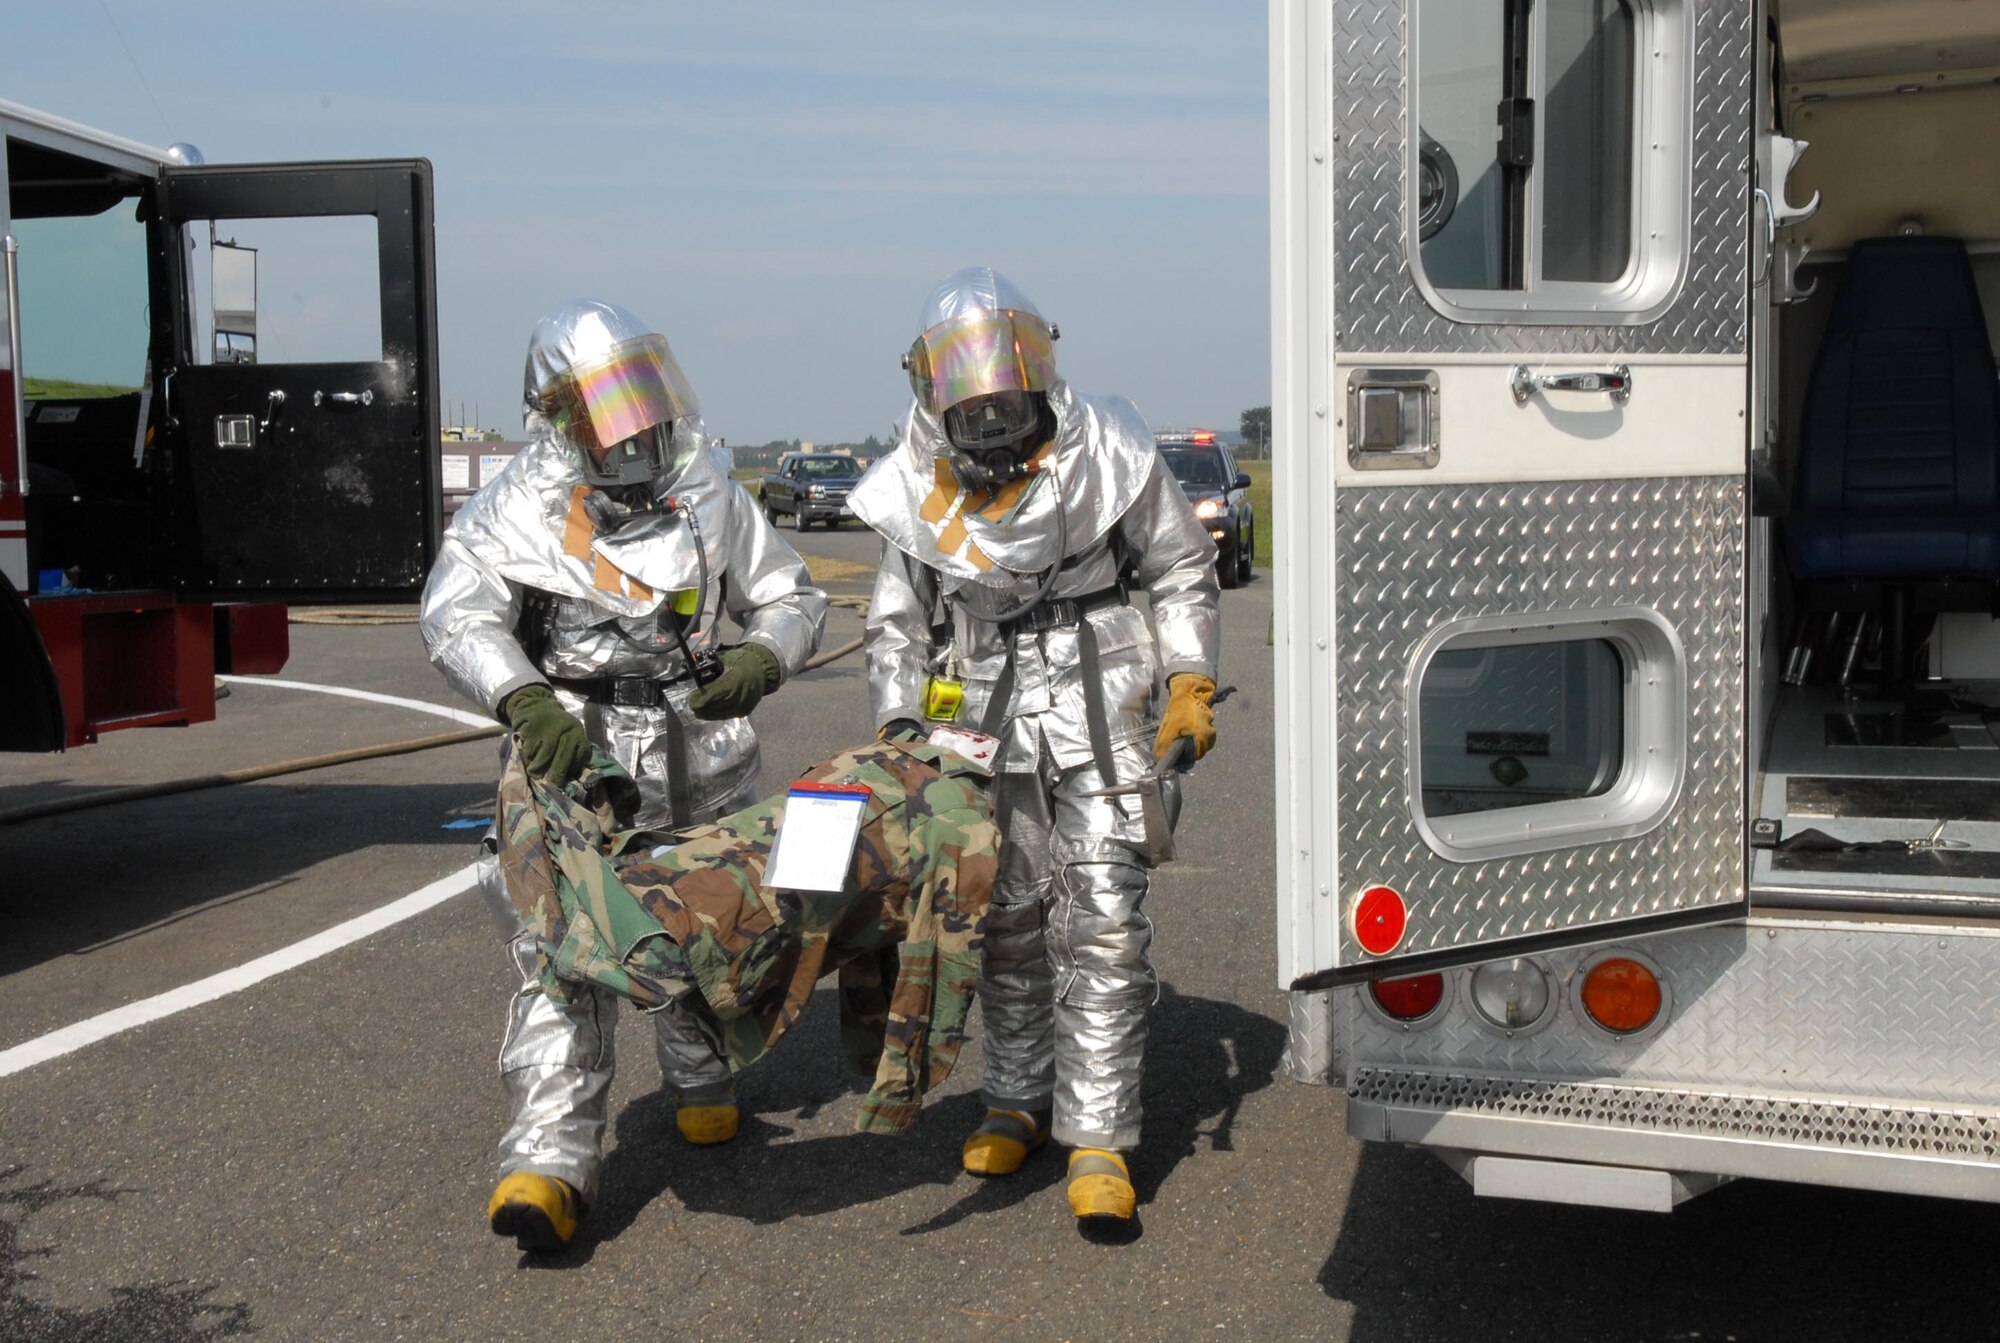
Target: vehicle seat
1898, 473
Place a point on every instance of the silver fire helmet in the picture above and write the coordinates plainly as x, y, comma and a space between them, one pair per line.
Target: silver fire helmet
608, 385
984, 364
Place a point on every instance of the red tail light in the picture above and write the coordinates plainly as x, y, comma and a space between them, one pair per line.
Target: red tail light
1410, 998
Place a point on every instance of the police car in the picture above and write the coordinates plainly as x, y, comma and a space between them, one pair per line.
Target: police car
1220, 493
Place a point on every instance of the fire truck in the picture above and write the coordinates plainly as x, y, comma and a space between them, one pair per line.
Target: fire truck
1638, 675
178, 459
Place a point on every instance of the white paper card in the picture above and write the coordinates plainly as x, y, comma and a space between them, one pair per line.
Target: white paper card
816, 837
977, 747
457, 472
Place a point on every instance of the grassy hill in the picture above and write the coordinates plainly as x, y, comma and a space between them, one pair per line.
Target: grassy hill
1260, 502
62, 389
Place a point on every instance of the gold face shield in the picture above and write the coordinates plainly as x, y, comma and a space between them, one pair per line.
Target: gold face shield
635, 387
981, 353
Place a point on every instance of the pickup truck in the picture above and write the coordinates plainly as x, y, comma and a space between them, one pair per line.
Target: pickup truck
810, 487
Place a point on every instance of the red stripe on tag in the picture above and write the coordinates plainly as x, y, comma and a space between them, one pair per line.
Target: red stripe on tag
832, 789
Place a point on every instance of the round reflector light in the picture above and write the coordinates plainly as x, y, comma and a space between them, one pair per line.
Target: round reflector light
1410, 997
1379, 920
1513, 995
1621, 995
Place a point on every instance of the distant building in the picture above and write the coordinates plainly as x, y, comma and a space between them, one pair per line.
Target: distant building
467, 464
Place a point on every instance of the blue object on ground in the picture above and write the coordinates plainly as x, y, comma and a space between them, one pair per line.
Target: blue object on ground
466, 823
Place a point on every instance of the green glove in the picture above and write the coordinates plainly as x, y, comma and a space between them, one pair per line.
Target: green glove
553, 744
749, 672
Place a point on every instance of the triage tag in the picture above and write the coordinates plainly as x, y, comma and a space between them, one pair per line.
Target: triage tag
977, 747
942, 698
816, 837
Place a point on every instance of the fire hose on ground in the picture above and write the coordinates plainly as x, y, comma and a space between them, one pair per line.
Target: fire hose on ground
253, 773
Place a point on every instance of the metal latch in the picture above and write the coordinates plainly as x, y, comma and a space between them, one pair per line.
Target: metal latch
236, 431
1392, 419
1935, 841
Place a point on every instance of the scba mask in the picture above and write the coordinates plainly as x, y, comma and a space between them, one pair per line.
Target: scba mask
631, 464
994, 437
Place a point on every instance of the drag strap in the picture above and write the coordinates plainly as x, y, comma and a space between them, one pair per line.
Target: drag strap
680, 793
1093, 701
1003, 695
1092, 667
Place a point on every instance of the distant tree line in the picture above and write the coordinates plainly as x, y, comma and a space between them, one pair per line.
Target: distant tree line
1254, 429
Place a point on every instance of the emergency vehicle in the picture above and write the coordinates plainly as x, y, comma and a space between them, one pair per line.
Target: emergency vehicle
1638, 677
171, 474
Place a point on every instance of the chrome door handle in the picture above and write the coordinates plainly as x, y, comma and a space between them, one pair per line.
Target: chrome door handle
1526, 382
365, 398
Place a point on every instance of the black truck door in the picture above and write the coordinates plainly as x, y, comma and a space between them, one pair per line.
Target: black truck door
315, 480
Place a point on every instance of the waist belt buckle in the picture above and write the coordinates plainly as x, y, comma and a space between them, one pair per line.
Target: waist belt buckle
1050, 615
636, 692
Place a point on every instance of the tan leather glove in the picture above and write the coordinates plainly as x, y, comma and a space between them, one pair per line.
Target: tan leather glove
1188, 715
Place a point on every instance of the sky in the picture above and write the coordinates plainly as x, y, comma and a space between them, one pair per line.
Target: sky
775, 186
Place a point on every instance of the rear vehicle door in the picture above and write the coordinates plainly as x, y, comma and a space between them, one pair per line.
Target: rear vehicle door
308, 454
1513, 379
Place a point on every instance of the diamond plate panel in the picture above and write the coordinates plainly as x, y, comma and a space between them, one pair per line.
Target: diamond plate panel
1309, 1047
1889, 1130
1378, 306
1775, 1008
1410, 559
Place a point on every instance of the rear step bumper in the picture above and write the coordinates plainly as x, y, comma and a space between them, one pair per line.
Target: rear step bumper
142, 659
1886, 1145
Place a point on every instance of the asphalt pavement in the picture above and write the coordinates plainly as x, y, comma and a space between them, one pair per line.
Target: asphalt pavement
308, 1156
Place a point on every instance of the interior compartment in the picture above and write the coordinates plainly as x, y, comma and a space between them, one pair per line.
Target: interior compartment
1875, 545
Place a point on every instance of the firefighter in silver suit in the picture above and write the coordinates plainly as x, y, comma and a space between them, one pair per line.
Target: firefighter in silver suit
1019, 519
578, 597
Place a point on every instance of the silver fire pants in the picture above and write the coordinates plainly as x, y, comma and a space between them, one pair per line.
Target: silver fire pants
557, 1061
1065, 983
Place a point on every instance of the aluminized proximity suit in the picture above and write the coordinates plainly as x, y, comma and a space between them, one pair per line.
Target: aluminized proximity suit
524, 592
1066, 982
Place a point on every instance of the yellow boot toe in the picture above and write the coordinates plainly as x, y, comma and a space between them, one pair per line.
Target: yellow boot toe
538, 1211
1002, 1142
1100, 1185
707, 1125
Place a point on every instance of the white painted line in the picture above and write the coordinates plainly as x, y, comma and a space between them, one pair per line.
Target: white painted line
107, 1024
465, 716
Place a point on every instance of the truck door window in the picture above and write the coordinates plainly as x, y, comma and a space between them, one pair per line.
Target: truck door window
83, 305
1520, 724
1463, 76
1536, 111
1587, 141
1567, 731
318, 290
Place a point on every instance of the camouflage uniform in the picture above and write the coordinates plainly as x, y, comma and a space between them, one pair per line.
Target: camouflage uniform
692, 926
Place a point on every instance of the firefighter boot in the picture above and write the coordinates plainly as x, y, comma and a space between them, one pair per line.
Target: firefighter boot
707, 1125
1003, 1140
1100, 1185
538, 1211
